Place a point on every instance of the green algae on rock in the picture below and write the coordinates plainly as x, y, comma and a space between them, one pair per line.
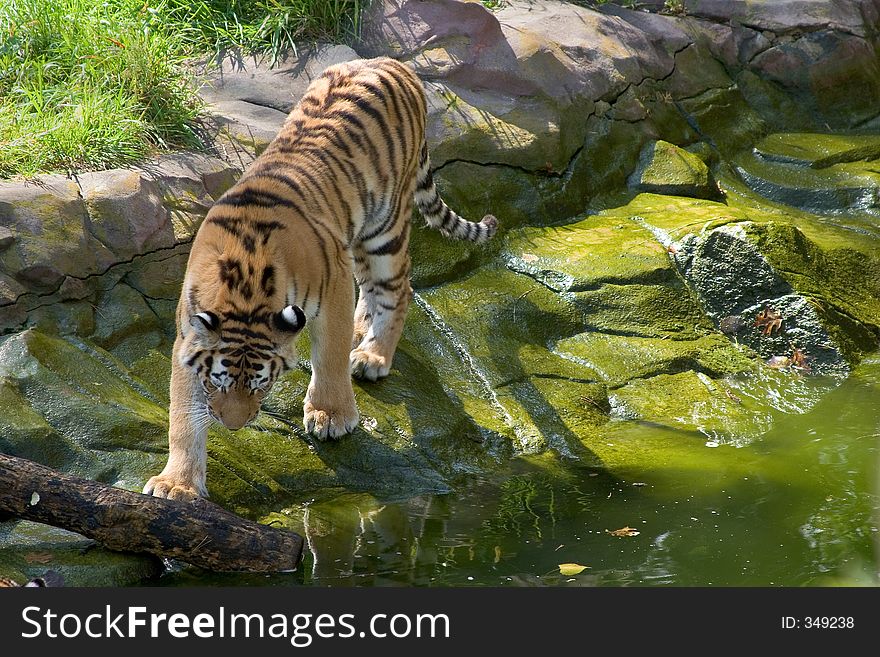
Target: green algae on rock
29, 549
665, 168
818, 150
741, 259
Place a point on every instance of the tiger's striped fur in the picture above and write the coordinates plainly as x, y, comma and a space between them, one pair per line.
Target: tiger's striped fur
330, 200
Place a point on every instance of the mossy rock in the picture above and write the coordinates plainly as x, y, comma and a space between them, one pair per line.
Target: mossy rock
29, 550
621, 358
123, 313
586, 254
95, 419
499, 321
665, 168
818, 150
692, 402
741, 257
710, 113
847, 185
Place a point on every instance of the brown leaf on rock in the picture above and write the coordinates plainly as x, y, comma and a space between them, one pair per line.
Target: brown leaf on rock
38, 557
623, 531
778, 362
768, 320
799, 360
732, 396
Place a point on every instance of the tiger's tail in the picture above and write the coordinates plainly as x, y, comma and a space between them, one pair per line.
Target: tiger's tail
439, 216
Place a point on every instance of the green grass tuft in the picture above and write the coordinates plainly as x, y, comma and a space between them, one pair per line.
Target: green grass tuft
272, 26
92, 84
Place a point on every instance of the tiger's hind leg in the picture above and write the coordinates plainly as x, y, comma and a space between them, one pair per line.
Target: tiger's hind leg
363, 313
382, 270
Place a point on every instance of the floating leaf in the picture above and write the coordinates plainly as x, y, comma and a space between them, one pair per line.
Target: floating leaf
569, 569
529, 257
623, 531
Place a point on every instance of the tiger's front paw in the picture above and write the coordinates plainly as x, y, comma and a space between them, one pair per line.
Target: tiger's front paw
367, 365
173, 488
330, 423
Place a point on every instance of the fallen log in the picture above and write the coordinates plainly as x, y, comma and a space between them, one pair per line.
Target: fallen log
197, 532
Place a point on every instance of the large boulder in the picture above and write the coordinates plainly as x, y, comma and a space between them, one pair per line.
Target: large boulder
67, 243
48, 234
536, 94
125, 211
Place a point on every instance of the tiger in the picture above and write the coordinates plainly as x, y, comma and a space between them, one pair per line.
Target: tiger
327, 205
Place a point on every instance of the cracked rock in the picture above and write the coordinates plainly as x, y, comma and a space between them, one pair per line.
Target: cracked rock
50, 225
126, 212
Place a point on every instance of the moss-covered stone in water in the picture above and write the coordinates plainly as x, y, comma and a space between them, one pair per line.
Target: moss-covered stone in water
816, 258
621, 358
691, 401
845, 280
586, 254
676, 216
502, 321
30, 549
660, 311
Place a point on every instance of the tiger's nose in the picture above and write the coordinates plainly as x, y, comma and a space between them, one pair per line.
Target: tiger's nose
234, 419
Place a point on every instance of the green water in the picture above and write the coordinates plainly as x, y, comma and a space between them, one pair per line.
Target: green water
795, 505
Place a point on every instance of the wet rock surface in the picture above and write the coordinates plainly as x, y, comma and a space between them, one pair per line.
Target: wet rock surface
666, 253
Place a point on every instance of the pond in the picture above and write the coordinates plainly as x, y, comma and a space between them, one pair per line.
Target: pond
797, 505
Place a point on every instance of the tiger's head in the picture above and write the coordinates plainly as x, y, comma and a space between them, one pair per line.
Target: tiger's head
237, 358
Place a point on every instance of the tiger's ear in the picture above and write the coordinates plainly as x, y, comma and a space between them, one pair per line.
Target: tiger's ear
290, 320
206, 325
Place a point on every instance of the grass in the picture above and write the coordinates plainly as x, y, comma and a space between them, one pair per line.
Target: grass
94, 84
271, 26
